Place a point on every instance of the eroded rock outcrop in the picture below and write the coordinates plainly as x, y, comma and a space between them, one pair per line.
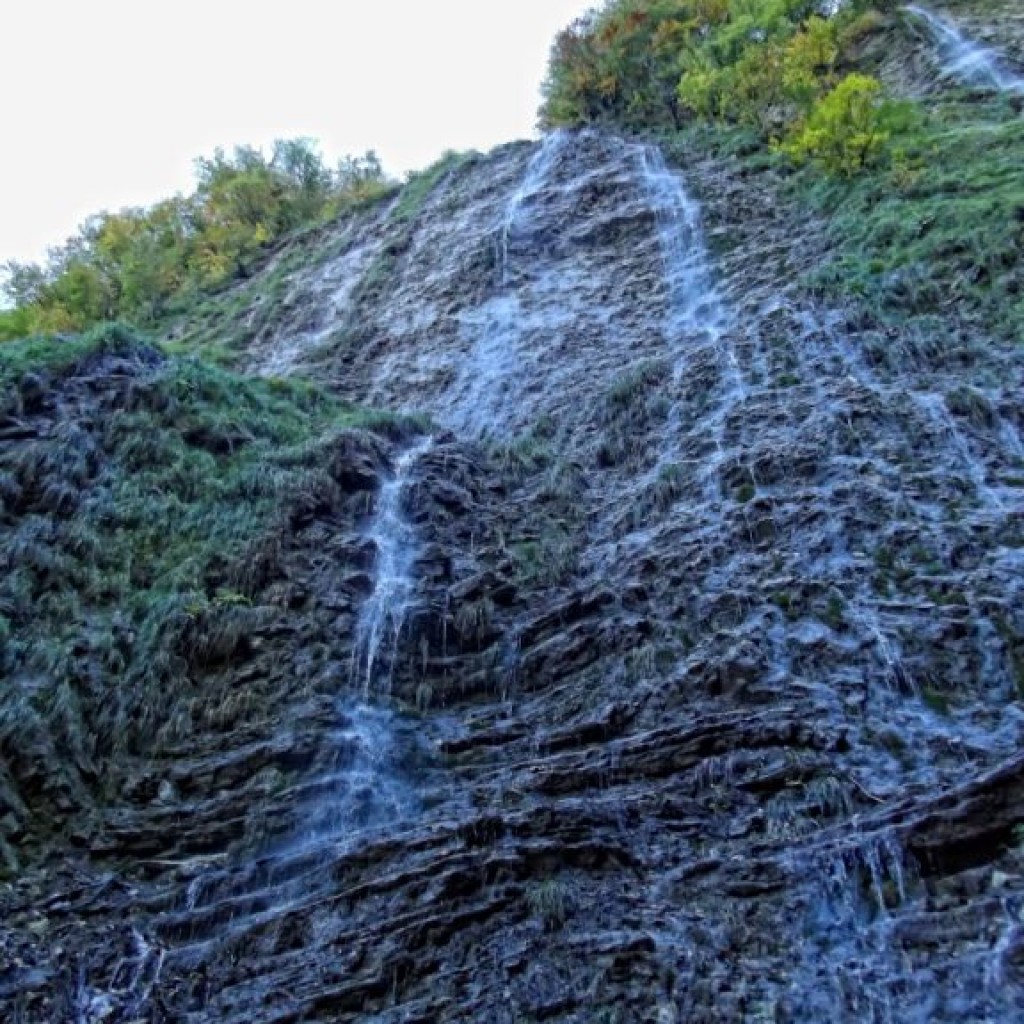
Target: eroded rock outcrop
706, 701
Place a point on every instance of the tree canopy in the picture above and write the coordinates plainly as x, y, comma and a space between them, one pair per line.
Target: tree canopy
775, 66
135, 264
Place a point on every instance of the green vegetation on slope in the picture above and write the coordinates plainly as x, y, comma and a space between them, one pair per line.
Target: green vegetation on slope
144, 500
777, 66
942, 230
924, 199
140, 264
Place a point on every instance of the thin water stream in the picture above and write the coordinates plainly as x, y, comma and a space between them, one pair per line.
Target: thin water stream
696, 310
485, 386
387, 608
516, 214
364, 785
697, 318
965, 60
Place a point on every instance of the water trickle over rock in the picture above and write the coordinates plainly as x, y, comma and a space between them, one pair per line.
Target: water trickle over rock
965, 60
386, 610
367, 779
707, 670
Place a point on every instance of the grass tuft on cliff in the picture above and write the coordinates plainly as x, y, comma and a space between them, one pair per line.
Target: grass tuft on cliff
942, 229
144, 499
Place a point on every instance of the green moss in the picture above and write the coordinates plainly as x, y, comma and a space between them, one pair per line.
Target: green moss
547, 560
524, 454
419, 186
834, 614
132, 532
786, 601
936, 700
939, 232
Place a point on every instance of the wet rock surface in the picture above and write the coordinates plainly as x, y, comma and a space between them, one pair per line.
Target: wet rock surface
705, 704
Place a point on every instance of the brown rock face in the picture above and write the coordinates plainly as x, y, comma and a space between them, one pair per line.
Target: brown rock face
704, 704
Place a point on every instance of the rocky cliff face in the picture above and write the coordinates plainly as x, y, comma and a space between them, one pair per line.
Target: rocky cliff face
676, 677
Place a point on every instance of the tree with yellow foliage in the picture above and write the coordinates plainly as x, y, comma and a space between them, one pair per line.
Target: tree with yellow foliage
845, 131
132, 265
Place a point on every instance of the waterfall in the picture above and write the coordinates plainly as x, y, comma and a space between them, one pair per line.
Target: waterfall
696, 311
489, 368
966, 60
848, 926
936, 413
363, 788
362, 783
537, 172
697, 316
332, 288
385, 611
695, 307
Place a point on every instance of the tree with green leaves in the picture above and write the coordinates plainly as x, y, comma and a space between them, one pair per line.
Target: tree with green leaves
846, 131
769, 65
134, 264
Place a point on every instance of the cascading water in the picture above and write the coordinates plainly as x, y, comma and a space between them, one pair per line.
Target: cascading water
695, 309
385, 611
966, 60
319, 299
937, 413
853, 928
366, 789
536, 176
848, 928
333, 286
697, 316
363, 785
489, 368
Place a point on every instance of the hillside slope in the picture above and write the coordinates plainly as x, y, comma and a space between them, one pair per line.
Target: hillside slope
658, 656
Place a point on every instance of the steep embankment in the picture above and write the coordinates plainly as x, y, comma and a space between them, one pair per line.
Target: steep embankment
924, 50
677, 677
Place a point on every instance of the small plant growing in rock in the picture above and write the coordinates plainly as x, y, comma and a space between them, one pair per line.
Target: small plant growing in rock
1018, 835
473, 620
424, 697
549, 902
827, 797
833, 614
641, 663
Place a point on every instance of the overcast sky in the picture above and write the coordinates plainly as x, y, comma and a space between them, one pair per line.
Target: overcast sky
108, 102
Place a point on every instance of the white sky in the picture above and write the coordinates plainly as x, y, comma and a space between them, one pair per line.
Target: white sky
108, 102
